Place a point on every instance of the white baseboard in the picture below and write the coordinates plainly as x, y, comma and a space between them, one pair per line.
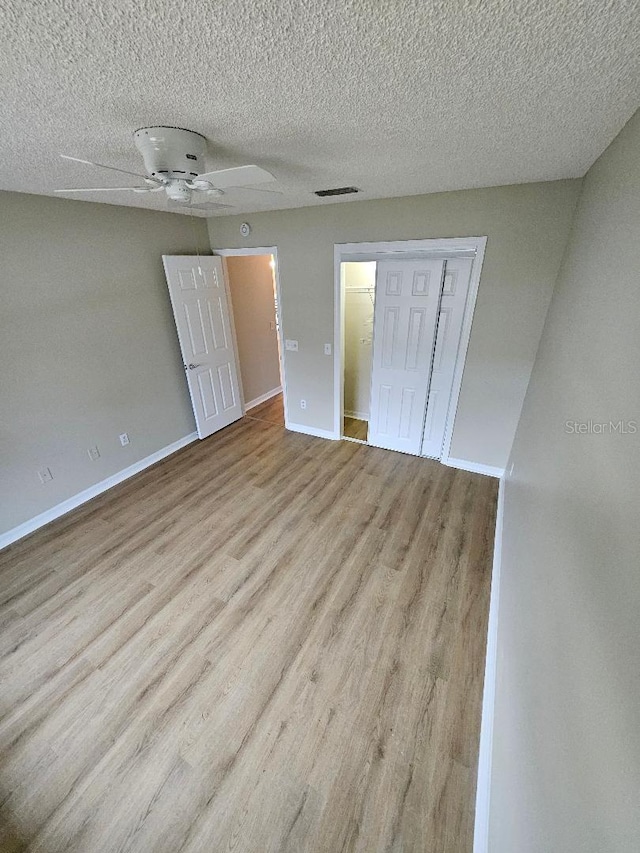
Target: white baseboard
93, 491
262, 398
483, 790
474, 467
359, 416
307, 430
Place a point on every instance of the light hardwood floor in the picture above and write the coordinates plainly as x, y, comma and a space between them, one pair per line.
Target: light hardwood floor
267, 642
272, 411
355, 428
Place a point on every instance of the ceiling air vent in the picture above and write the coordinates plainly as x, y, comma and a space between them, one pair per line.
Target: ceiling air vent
337, 191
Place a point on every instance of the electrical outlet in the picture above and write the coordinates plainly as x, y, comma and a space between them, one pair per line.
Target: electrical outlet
45, 475
93, 453
327, 349
124, 439
292, 346
303, 404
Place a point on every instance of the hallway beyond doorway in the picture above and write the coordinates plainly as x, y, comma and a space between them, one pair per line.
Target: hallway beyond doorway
271, 411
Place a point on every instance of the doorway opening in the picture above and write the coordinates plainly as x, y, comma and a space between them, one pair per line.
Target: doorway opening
254, 290
403, 321
254, 303
226, 317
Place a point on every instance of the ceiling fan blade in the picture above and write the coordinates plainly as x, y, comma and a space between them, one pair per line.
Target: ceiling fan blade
256, 190
198, 204
111, 168
239, 176
107, 189
205, 208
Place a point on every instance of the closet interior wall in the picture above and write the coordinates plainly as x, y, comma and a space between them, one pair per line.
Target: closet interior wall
359, 300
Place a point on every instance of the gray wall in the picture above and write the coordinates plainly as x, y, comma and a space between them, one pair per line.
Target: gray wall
527, 227
566, 759
88, 347
254, 312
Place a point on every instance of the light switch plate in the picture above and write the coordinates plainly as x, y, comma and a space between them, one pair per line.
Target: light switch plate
327, 349
292, 346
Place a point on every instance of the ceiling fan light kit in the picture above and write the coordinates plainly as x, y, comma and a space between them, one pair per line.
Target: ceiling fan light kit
174, 161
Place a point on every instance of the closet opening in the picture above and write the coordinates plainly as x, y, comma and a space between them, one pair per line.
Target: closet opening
403, 321
359, 289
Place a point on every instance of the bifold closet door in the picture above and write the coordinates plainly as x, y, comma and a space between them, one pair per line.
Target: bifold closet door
406, 314
452, 304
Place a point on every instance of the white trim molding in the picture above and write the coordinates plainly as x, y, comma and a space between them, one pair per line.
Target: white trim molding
474, 467
92, 492
454, 247
262, 398
308, 430
246, 251
483, 789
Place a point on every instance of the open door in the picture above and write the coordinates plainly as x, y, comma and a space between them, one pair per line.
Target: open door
203, 321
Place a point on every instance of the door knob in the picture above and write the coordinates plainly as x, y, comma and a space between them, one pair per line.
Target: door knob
193, 366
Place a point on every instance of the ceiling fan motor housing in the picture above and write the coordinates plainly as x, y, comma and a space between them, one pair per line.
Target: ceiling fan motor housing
171, 153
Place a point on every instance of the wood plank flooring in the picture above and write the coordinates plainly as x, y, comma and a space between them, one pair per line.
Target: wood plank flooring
355, 428
267, 642
272, 411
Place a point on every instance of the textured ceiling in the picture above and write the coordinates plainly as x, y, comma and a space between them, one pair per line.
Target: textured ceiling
396, 98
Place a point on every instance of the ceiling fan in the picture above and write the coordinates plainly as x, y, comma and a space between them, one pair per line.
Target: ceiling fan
174, 159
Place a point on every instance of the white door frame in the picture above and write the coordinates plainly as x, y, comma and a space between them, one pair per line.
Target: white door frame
404, 249
264, 250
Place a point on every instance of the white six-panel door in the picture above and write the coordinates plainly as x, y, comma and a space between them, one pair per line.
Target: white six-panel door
406, 312
201, 312
452, 304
